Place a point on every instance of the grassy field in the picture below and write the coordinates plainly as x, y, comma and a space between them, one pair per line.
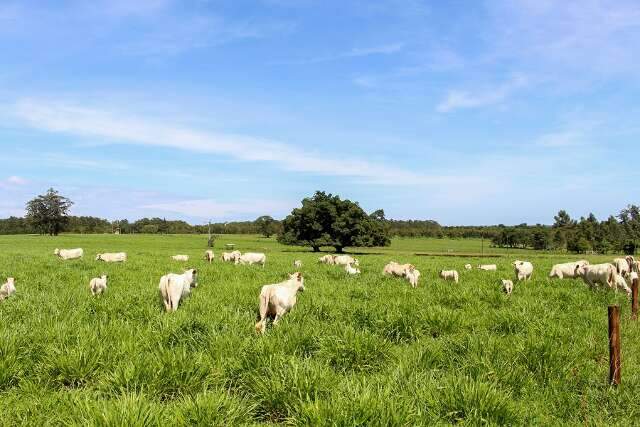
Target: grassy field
365, 350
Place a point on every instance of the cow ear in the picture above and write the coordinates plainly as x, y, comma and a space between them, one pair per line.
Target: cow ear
195, 271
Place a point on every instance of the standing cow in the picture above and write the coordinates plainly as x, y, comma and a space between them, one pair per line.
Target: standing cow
174, 287
278, 299
208, 256
67, 254
252, 258
98, 285
523, 269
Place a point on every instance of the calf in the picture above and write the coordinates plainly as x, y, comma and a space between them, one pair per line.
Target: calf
208, 256
468, 267
407, 271
98, 285
620, 282
350, 269
449, 275
297, 263
7, 289
277, 299
174, 287
112, 257
507, 286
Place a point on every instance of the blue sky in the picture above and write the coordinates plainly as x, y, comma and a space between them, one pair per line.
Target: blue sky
466, 112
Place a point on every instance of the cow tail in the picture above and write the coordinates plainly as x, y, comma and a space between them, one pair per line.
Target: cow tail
264, 305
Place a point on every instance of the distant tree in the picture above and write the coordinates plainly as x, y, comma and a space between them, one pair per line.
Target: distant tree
563, 220
326, 220
266, 225
49, 212
540, 240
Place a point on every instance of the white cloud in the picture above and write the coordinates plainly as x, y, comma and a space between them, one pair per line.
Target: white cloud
13, 182
206, 208
458, 99
117, 129
385, 49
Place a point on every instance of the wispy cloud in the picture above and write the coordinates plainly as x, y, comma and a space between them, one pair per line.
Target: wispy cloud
385, 49
117, 129
207, 208
461, 99
12, 182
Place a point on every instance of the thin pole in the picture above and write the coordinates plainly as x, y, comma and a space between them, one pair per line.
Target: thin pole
614, 344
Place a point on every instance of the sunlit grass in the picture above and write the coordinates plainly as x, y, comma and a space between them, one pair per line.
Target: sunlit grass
365, 350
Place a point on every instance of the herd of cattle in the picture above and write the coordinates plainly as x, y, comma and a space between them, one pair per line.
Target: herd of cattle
277, 299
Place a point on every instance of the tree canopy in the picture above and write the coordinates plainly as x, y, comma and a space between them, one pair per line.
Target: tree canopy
327, 220
49, 212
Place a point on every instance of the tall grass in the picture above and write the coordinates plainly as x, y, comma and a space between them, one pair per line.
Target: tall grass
365, 350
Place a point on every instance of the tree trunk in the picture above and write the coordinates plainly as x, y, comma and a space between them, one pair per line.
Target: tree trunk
316, 248
339, 249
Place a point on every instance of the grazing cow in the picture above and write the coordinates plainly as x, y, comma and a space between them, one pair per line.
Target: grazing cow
180, 257
350, 269
174, 287
208, 256
449, 275
230, 256
623, 267
620, 282
8, 288
344, 260
69, 253
567, 269
468, 267
407, 271
277, 299
297, 263
488, 267
327, 259
98, 285
252, 258
112, 257
507, 286
523, 269
597, 274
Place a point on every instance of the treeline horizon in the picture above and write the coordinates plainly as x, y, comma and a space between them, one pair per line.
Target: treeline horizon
587, 234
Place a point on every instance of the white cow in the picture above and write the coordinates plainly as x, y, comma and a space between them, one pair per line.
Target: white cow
449, 275
407, 271
488, 267
345, 260
112, 257
297, 263
230, 256
507, 286
208, 256
623, 267
597, 274
174, 287
252, 258
277, 299
327, 259
69, 253
8, 288
350, 269
523, 269
468, 267
620, 282
98, 285
567, 269
180, 257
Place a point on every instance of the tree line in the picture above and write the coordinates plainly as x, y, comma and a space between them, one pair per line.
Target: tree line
326, 220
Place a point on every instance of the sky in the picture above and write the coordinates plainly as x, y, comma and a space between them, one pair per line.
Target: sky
464, 112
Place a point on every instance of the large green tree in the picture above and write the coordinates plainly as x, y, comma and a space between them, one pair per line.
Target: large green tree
327, 220
49, 212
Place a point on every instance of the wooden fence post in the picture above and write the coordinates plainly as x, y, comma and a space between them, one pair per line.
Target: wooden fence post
634, 299
614, 344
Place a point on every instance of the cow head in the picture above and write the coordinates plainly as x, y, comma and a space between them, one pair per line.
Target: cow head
56, 251
580, 270
98, 257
